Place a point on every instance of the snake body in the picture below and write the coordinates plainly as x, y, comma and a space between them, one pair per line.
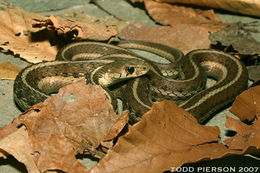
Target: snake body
183, 79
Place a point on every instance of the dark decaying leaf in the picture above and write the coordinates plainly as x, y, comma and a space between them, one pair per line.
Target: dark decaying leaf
238, 37
254, 72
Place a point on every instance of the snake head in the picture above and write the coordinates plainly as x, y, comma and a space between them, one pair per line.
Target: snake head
121, 70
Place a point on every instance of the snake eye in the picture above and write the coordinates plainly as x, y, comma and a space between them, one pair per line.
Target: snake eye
130, 70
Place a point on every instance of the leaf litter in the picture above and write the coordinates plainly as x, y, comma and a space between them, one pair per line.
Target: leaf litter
183, 27
248, 7
36, 38
60, 128
53, 132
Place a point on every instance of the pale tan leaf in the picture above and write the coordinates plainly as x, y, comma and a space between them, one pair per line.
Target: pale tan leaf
17, 143
5, 131
8, 70
166, 137
18, 36
78, 30
31, 35
249, 7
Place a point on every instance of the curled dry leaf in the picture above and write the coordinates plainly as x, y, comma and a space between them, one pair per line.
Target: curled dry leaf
249, 7
5, 131
167, 14
247, 136
34, 44
8, 70
180, 36
118, 126
247, 104
189, 28
167, 136
16, 142
76, 29
75, 120
18, 36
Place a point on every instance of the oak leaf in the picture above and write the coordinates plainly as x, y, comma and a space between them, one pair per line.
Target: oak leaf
76, 120
167, 136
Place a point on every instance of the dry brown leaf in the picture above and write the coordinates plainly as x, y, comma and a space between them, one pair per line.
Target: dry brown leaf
247, 136
16, 142
249, 7
180, 36
189, 28
78, 30
167, 14
5, 131
18, 36
8, 70
167, 136
118, 126
75, 120
247, 104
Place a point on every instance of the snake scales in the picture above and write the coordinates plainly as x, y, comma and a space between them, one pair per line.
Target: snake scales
183, 79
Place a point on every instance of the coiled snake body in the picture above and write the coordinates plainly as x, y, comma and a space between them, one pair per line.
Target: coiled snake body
183, 79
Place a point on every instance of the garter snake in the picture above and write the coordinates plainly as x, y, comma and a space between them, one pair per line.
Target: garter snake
182, 79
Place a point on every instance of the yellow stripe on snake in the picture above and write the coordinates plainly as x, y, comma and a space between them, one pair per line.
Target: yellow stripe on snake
138, 81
